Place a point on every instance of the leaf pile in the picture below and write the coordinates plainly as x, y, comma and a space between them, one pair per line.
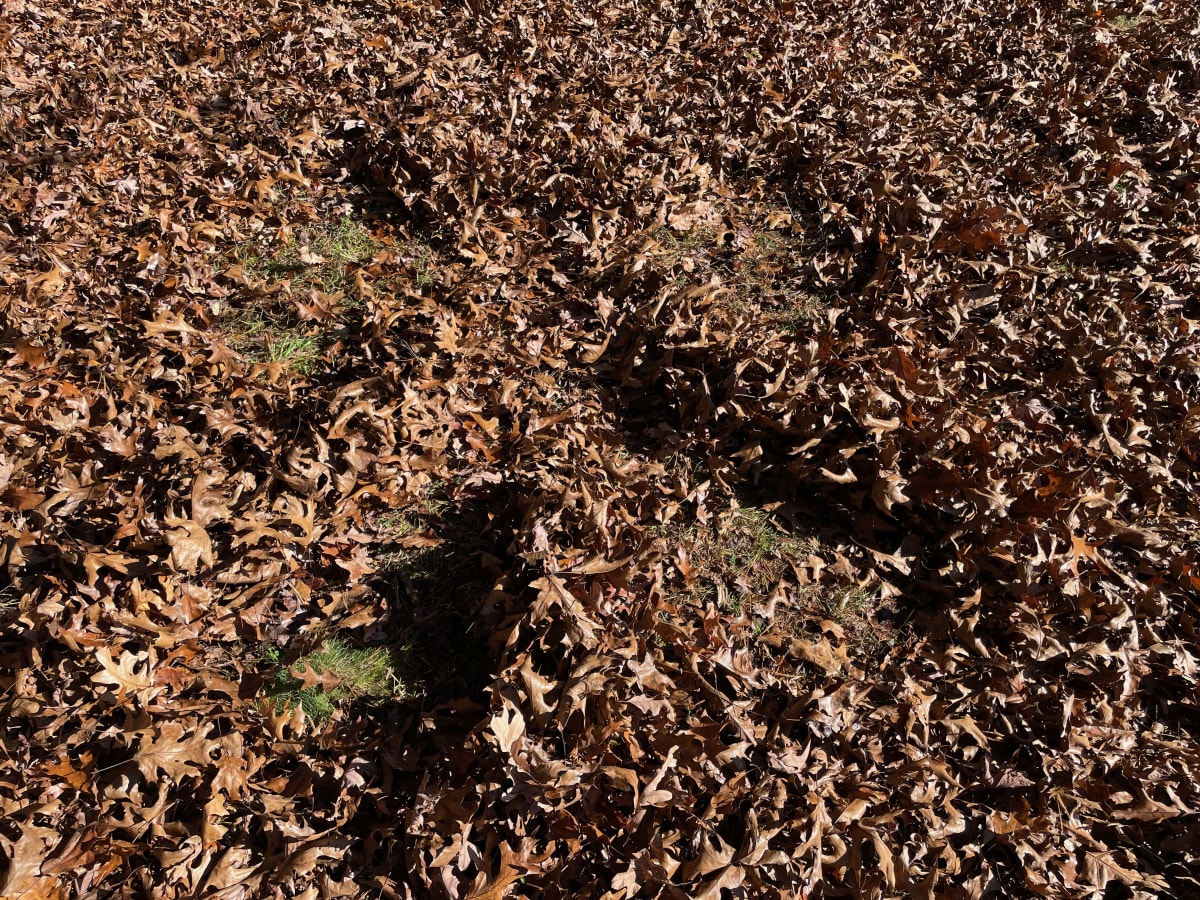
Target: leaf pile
767, 433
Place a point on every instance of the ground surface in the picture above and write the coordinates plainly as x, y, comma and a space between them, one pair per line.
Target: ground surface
607, 449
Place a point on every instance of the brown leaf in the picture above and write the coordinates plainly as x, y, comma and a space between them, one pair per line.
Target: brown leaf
25, 856
191, 547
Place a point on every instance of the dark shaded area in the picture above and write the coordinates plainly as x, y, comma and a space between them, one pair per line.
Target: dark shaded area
448, 600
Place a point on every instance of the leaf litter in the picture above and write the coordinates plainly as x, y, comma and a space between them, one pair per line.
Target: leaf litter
809, 395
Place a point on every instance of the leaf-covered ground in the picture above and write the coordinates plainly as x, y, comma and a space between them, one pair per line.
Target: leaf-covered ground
603, 449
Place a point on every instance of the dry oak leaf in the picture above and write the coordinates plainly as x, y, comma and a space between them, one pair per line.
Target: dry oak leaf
513, 866
77, 778
714, 856
508, 726
94, 561
191, 546
125, 675
305, 857
208, 500
311, 677
730, 879
819, 653
175, 752
234, 765
27, 353
25, 858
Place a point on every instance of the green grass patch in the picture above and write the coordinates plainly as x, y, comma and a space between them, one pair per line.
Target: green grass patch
421, 257
299, 352
759, 264
743, 555
749, 540
851, 604
334, 673
801, 311
263, 329
312, 257
263, 336
766, 274
855, 609
417, 516
690, 250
